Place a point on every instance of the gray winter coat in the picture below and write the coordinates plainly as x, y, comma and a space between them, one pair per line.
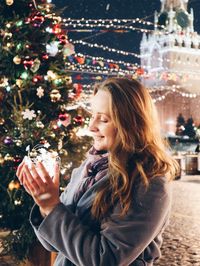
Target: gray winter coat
134, 239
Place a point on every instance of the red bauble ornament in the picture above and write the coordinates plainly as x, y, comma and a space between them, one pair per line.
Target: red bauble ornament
65, 119
45, 56
17, 159
37, 78
62, 39
56, 29
28, 63
79, 120
140, 71
37, 19
77, 89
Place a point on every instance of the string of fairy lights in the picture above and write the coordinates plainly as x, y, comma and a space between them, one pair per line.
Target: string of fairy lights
99, 65
103, 66
107, 21
106, 48
166, 90
120, 62
96, 69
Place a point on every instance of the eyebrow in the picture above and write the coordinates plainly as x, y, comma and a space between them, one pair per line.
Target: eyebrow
99, 113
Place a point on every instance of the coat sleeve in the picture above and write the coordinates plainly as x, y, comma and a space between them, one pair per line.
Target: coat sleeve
36, 218
121, 239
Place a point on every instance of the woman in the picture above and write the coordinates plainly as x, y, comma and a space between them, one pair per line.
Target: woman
117, 204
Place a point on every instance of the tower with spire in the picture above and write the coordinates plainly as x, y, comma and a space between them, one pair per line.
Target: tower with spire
170, 55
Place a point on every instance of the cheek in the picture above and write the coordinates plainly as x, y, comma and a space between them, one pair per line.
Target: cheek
111, 133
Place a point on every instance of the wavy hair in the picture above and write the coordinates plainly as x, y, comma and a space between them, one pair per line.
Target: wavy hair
139, 150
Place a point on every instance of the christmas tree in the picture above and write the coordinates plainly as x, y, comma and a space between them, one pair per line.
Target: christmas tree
180, 123
190, 129
36, 107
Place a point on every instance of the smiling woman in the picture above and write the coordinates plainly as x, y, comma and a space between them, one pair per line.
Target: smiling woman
101, 124
117, 204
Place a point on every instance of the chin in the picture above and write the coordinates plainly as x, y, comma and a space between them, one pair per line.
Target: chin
99, 147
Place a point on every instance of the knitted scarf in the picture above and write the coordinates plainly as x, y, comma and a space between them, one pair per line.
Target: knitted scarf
95, 168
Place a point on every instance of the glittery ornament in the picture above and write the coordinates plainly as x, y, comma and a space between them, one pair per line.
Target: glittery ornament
40, 153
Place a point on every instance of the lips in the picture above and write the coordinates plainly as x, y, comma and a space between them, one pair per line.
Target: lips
98, 138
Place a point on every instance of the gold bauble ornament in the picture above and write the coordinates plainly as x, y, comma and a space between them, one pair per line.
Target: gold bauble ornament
9, 2
2, 121
18, 142
19, 83
52, 135
8, 157
39, 124
33, 153
17, 60
68, 80
13, 185
55, 95
1, 159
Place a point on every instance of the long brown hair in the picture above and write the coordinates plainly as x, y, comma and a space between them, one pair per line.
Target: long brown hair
139, 149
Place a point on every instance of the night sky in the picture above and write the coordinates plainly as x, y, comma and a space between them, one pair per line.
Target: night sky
108, 9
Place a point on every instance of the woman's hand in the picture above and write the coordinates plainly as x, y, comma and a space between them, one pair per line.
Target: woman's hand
38, 183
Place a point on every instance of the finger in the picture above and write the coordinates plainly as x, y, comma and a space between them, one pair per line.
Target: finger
30, 180
56, 178
20, 175
19, 168
43, 172
26, 188
37, 178
27, 185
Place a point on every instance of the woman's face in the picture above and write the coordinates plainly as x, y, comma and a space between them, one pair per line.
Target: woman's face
101, 126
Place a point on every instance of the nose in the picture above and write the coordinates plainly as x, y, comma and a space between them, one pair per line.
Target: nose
93, 125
